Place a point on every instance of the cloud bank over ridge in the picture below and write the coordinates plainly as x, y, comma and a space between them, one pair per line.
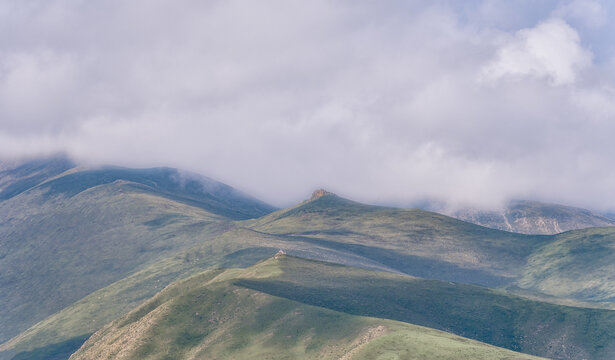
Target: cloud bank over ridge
383, 102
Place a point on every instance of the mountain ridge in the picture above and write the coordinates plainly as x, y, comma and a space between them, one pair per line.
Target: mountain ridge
532, 217
165, 233
89, 228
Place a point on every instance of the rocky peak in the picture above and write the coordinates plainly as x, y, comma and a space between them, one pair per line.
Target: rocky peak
320, 193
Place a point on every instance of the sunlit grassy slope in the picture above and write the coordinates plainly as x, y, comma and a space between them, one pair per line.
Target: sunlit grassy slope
576, 264
80, 231
212, 316
479, 313
411, 241
579, 264
396, 240
239, 247
328, 228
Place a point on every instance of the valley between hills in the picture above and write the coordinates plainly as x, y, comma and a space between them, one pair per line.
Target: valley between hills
119, 263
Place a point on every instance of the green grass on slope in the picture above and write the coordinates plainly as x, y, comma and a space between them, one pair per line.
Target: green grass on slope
330, 229
56, 250
576, 264
236, 248
207, 317
479, 313
415, 242
579, 264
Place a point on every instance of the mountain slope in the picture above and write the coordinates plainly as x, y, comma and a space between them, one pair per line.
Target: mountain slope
185, 187
483, 314
579, 264
17, 177
533, 217
329, 228
396, 240
326, 228
83, 230
412, 241
207, 316
238, 247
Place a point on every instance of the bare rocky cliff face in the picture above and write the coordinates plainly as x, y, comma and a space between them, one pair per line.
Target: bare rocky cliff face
320, 193
532, 217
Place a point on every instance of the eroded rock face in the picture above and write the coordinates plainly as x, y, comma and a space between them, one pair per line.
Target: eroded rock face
532, 217
320, 193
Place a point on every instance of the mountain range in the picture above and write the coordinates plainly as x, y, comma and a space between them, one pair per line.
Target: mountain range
533, 217
113, 262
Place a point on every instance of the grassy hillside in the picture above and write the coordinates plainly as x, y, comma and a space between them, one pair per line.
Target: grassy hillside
572, 265
83, 230
578, 264
208, 317
327, 228
57, 251
412, 241
395, 240
533, 217
185, 187
475, 312
238, 247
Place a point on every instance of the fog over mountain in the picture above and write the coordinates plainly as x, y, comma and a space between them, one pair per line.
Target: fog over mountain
472, 102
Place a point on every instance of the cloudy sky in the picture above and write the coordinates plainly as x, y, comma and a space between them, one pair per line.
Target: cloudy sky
381, 101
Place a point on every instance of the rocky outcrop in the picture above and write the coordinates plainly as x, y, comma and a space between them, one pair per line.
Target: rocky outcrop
320, 193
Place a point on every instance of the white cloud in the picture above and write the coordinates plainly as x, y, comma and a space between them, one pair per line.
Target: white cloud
550, 50
376, 101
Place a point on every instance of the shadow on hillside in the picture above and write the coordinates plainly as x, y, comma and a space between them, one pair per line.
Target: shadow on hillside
470, 311
411, 264
58, 351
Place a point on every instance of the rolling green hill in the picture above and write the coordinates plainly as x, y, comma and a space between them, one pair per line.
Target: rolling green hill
238, 247
411, 241
212, 316
571, 265
112, 240
395, 240
74, 233
326, 228
579, 264
479, 313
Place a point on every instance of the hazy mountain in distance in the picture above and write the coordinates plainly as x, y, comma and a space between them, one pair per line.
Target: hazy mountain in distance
532, 217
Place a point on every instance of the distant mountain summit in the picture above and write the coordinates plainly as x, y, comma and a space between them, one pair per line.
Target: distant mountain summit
533, 217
